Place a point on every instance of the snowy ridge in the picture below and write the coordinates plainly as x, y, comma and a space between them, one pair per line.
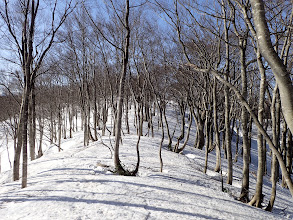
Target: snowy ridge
77, 184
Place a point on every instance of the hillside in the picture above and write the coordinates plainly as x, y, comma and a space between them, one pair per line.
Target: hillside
77, 183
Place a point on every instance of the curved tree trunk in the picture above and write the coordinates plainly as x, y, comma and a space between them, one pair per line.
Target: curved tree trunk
280, 72
177, 149
163, 105
118, 167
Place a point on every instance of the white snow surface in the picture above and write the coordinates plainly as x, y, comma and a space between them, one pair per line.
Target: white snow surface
77, 183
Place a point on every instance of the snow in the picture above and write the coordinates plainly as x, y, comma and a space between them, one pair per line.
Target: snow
78, 183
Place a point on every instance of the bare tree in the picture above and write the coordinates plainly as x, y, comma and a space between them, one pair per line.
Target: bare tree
31, 57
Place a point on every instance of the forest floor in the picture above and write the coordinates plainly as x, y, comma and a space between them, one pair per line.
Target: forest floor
78, 183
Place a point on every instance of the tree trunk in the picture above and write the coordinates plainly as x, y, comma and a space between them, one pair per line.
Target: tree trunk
275, 113
265, 169
64, 123
126, 115
237, 143
280, 72
24, 136
274, 183
96, 119
258, 197
104, 117
284, 148
244, 196
180, 149
51, 126
41, 128
216, 129
32, 123
227, 101
140, 116
151, 120
162, 139
118, 167
71, 122
17, 152
289, 153
59, 127
163, 105
227, 138
182, 108
76, 117
200, 131
206, 141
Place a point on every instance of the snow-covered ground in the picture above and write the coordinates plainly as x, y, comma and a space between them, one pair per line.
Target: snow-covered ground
77, 183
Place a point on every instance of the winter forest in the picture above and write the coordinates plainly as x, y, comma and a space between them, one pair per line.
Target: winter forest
146, 107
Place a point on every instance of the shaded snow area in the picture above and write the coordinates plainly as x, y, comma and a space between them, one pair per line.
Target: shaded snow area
78, 183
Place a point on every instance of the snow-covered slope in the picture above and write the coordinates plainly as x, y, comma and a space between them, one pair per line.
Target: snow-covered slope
77, 183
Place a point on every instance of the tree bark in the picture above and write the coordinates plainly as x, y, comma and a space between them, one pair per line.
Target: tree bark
289, 153
41, 130
216, 129
24, 135
17, 152
280, 72
275, 114
227, 120
59, 127
206, 141
257, 198
284, 148
244, 196
32, 123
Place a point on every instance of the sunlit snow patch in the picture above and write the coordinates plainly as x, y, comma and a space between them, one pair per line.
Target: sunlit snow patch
212, 173
191, 156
